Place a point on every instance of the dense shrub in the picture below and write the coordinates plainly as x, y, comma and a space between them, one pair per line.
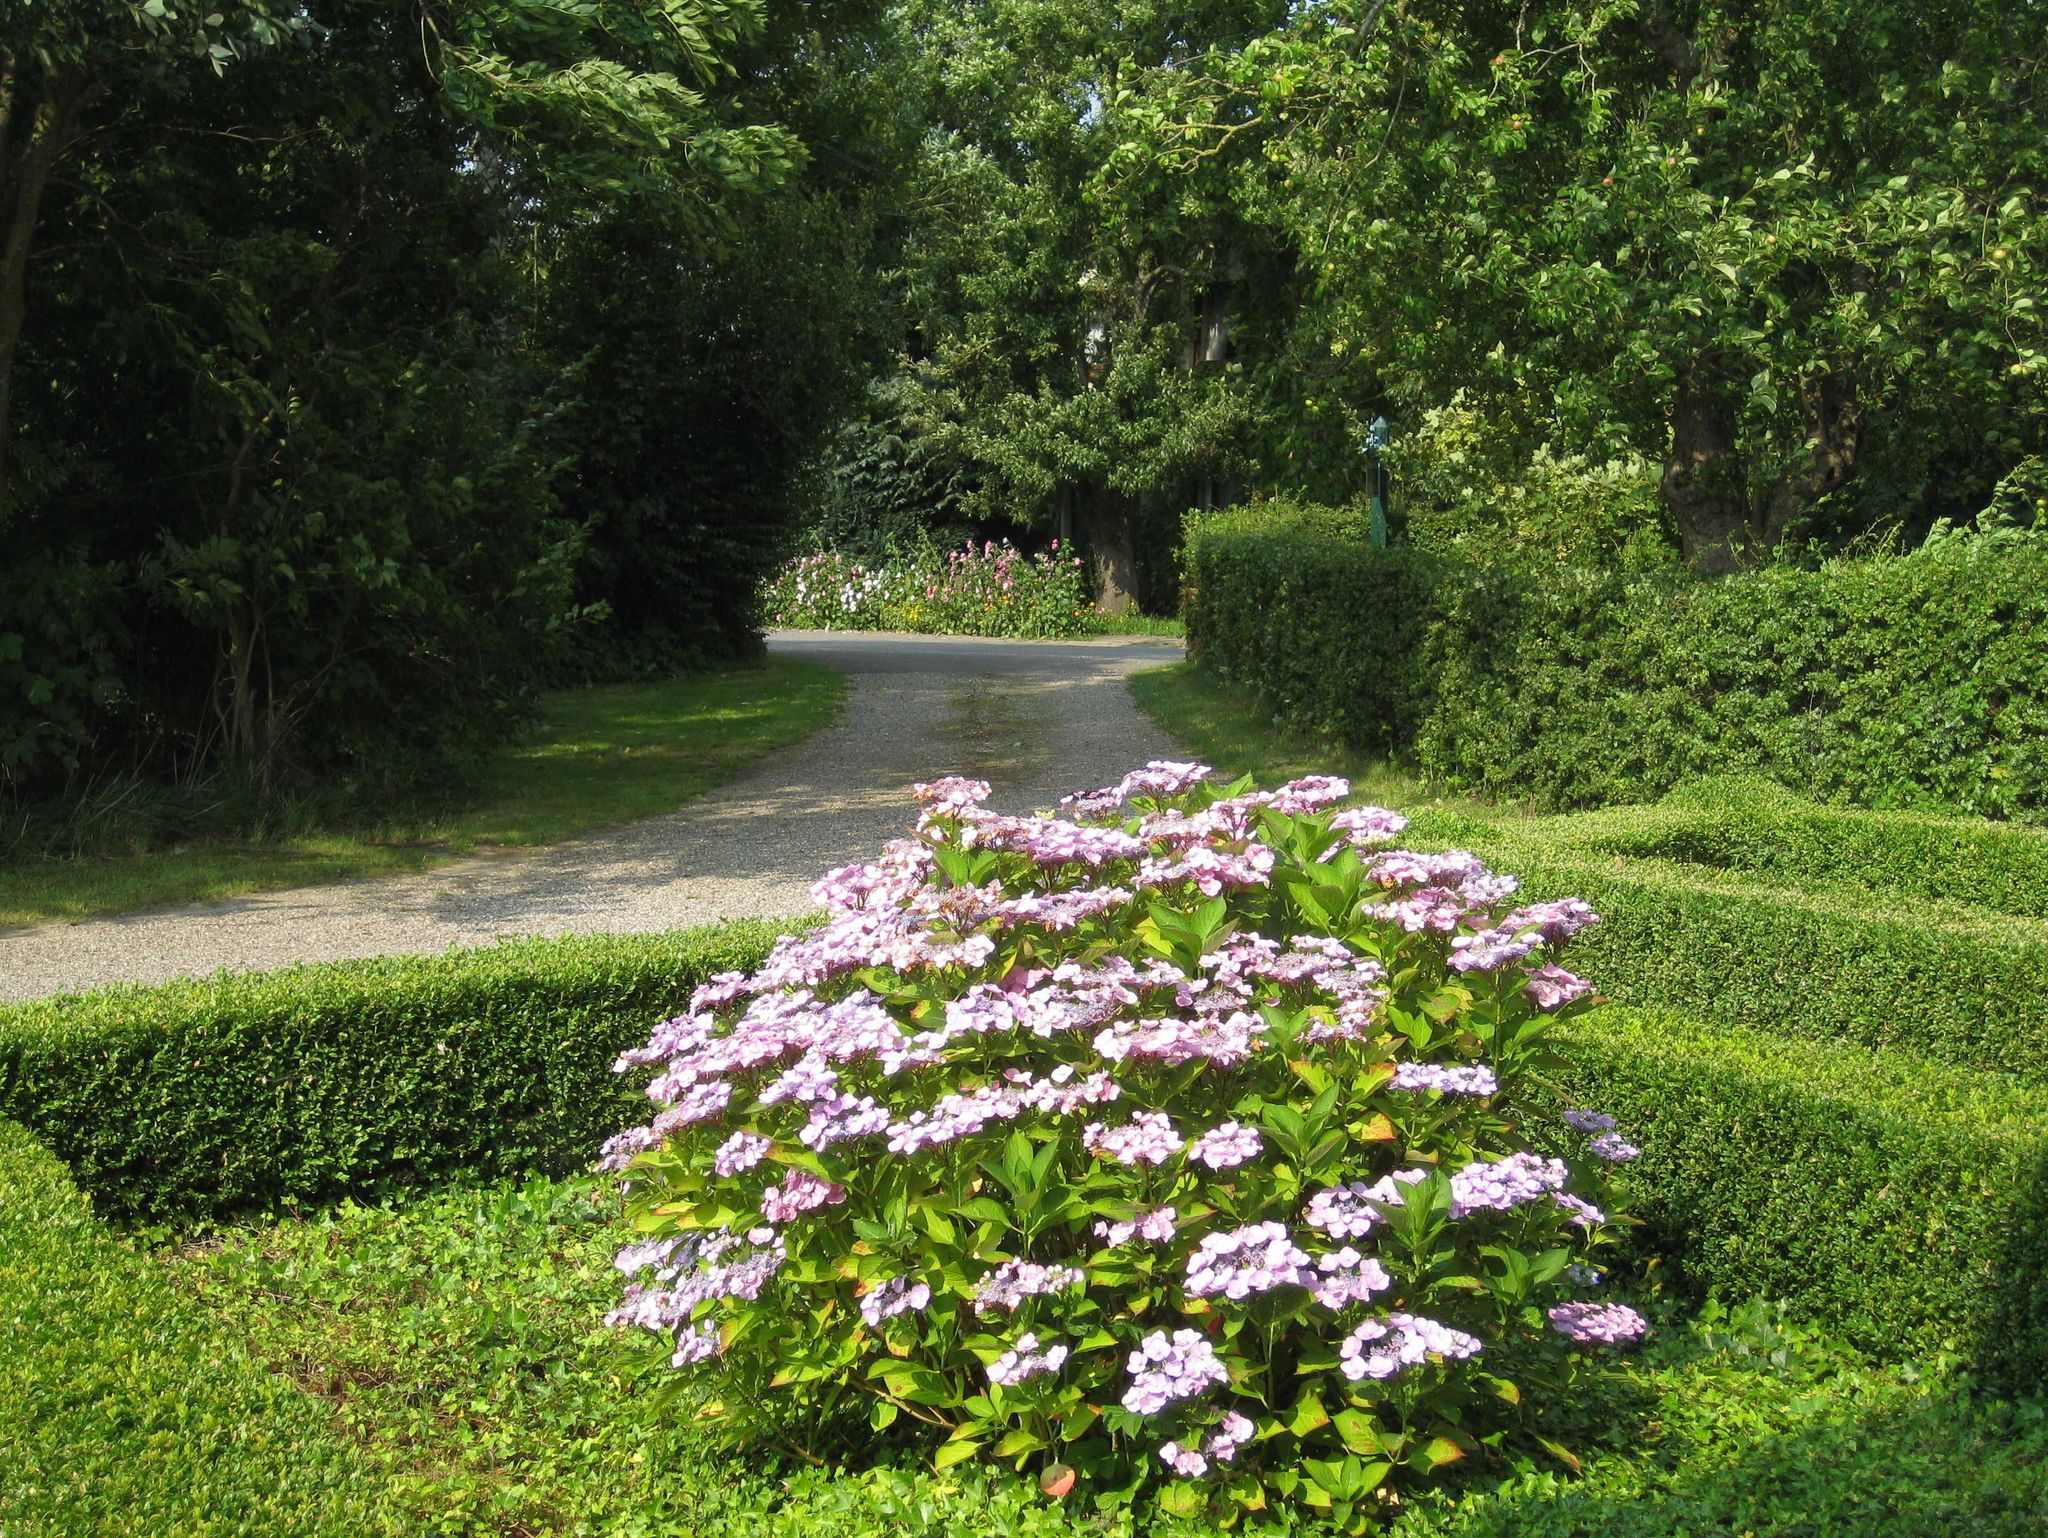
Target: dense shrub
1033, 1141
125, 1408
987, 589
1907, 1206
202, 1099
1918, 681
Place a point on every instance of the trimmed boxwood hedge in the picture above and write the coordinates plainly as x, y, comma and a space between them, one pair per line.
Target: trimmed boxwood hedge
206, 1099
1909, 1207
1753, 825
126, 1408
1918, 681
1826, 966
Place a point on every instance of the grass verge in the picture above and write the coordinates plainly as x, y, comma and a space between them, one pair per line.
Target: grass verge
1222, 726
601, 756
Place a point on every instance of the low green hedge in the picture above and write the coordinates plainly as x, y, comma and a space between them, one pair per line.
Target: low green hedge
124, 1408
1918, 681
204, 1099
1754, 938
1907, 1207
1824, 965
1753, 825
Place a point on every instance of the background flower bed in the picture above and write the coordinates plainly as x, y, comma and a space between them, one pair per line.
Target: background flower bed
1917, 681
985, 589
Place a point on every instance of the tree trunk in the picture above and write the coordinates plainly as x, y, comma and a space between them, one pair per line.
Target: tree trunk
1703, 480
35, 129
1112, 538
1834, 436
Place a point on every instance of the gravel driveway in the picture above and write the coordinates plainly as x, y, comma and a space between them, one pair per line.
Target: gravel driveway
1035, 718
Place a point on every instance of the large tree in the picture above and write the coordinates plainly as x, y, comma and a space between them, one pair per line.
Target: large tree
1794, 250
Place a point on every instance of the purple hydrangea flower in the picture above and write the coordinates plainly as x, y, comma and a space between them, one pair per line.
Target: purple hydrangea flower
1590, 1121
1614, 1148
1184, 1461
1448, 1079
1584, 1213
1601, 1324
1246, 1261
1232, 1433
1348, 1277
897, 1295
1010, 1283
800, 1192
1490, 949
1155, 1227
1342, 1212
740, 1152
1226, 1147
1502, 1184
1166, 1369
695, 1343
1553, 922
1148, 1138
1551, 988
1025, 1361
1385, 1348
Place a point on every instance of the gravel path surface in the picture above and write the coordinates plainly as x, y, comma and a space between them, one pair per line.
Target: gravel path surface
1035, 718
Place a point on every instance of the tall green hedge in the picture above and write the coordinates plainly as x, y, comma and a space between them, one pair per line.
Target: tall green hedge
203, 1099
1918, 681
1908, 1207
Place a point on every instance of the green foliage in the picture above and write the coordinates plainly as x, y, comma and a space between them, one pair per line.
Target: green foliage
452, 1330
1907, 1207
1792, 254
1288, 602
199, 1100
1464, 488
1742, 1421
126, 1407
1927, 976
376, 379
1912, 682
1752, 825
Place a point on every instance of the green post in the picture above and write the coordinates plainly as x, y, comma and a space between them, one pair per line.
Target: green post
1375, 441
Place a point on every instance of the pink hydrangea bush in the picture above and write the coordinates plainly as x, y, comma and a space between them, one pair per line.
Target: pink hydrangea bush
1181, 1133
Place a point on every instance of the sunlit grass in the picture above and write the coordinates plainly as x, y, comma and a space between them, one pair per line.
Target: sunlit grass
1222, 725
603, 755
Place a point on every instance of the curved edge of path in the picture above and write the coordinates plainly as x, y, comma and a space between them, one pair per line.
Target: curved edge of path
1037, 719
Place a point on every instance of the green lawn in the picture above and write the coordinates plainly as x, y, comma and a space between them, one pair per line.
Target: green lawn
1219, 723
601, 756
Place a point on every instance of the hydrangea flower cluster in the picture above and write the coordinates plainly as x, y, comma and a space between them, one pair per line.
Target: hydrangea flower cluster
1166, 1369
1220, 1446
1025, 1361
1100, 1112
1009, 1284
1386, 1348
1609, 1324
